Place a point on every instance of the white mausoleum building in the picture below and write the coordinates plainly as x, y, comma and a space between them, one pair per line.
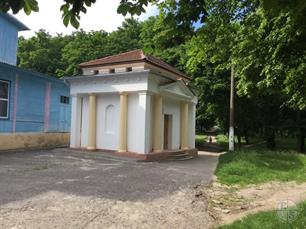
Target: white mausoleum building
132, 103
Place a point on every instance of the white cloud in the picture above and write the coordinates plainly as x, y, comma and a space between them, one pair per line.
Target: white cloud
101, 16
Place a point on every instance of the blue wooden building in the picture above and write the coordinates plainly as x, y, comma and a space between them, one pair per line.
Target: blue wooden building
34, 108
9, 28
32, 102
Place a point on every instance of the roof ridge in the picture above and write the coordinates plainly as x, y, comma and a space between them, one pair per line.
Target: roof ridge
168, 65
134, 50
13, 20
143, 55
116, 55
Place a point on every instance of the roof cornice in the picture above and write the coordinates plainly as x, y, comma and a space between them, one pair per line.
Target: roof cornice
14, 21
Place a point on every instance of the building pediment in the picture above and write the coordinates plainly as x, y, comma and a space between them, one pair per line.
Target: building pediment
177, 89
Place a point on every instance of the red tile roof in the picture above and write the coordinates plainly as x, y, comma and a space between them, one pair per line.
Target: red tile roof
131, 56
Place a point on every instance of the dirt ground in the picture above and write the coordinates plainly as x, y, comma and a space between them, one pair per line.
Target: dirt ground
228, 204
67, 189
61, 210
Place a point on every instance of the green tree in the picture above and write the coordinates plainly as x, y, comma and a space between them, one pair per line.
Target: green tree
270, 59
60, 55
82, 47
42, 52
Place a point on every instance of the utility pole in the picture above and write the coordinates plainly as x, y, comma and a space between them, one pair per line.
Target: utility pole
231, 121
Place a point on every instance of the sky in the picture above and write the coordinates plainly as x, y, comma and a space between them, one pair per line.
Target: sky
101, 16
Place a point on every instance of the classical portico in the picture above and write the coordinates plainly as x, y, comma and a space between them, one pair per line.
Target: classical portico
134, 107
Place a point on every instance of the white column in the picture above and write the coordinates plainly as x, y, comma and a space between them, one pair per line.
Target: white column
184, 125
75, 132
144, 120
123, 122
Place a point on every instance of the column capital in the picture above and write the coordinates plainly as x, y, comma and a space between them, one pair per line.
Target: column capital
123, 93
145, 93
157, 95
92, 94
184, 102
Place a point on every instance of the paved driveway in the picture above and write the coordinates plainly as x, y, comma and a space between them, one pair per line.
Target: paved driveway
70, 189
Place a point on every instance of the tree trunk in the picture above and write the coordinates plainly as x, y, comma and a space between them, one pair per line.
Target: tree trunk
300, 133
246, 137
271, 139
239, 138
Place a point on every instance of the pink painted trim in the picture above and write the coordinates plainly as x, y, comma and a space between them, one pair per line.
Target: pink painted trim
15, 104
47, 106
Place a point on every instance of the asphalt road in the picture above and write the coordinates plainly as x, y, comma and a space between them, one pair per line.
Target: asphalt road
28, 175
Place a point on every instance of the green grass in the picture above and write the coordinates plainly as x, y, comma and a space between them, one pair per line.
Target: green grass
254, 164
200, 140
270, 220
282, 143
259, 166
223, 140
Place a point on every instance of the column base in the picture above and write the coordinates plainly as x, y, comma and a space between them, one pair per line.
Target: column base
184, 148
121, 151
157, 151
91, 148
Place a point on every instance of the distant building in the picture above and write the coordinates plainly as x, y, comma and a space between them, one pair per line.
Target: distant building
34, 108
132, 103
9, 28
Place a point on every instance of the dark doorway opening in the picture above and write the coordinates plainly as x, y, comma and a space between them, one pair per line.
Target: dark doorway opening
167, 131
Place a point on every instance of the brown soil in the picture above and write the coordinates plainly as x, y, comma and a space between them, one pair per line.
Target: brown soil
227, 204
182, 209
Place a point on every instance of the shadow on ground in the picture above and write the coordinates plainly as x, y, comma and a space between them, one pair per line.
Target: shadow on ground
210, 147
30, 173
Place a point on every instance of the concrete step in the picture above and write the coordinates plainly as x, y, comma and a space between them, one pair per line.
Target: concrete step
179, 156
183, 158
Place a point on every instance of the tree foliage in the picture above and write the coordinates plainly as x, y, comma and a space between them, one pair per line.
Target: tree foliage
264, 40
184, 11
60, 55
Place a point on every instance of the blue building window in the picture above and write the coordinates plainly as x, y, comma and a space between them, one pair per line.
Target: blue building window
65, 99
4, 99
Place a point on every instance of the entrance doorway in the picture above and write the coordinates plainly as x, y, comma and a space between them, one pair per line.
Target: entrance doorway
167, 131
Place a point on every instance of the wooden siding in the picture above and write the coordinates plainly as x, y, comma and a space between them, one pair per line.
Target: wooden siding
31, 102
8, 41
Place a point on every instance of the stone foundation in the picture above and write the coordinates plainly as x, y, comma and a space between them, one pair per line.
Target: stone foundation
33, 140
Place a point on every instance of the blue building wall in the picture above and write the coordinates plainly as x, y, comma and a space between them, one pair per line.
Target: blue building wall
8, 41
31, 102
9, 27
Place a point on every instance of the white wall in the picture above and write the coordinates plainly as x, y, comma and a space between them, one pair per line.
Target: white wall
75, 137
134, 81
107, 137
139, 122
133, 123
107, 121
172, 107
